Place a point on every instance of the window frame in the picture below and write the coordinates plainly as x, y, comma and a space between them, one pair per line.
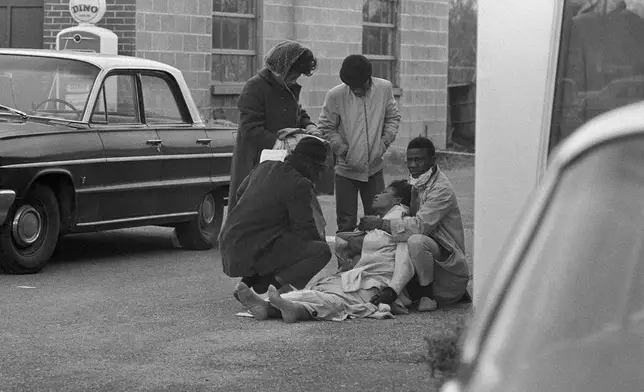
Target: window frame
138, 105
235, 88
394, 27
186, 118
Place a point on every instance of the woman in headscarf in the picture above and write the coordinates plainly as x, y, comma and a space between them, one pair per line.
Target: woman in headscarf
269, 106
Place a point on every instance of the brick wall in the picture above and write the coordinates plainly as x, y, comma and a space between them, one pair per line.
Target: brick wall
332, 29
423, 69
119, 17
178, 33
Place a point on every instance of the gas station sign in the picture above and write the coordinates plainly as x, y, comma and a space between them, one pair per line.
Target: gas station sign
87, 11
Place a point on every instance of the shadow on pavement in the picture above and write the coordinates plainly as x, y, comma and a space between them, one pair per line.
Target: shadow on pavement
113, 244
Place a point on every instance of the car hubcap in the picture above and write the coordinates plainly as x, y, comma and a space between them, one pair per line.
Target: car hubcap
26, 226
208, 210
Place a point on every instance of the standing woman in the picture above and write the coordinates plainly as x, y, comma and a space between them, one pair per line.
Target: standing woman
268, 104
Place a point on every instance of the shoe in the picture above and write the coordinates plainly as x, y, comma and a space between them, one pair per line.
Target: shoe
465, 299
427, 305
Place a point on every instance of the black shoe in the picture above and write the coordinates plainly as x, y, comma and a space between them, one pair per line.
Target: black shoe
465, 299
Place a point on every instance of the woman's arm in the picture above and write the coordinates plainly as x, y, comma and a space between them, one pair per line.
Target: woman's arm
252, 117
304, 119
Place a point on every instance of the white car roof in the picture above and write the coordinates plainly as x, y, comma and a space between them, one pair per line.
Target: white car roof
101, 60
107, 62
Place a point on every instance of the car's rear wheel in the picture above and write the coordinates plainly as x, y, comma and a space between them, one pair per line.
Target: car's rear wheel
30, 233
202, 231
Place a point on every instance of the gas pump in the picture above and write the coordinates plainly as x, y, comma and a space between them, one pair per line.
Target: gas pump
85, 37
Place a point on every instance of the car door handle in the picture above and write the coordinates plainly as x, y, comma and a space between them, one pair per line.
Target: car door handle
154, 142
205, 142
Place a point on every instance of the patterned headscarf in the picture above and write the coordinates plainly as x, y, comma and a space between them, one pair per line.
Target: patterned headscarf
281, 58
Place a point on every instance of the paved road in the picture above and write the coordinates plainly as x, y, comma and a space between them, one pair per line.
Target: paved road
125, 311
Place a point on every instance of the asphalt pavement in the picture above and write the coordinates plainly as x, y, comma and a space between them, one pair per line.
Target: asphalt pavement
126, 311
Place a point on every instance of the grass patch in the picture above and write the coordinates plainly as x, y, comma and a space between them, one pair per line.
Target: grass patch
443, 351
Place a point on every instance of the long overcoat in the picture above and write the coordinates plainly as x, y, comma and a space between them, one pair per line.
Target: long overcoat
266, 105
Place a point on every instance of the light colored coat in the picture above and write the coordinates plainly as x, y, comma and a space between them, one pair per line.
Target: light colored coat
347, 294
439, 217
362, 127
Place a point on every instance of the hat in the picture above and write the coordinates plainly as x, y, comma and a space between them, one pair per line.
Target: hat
312, 150
355, 71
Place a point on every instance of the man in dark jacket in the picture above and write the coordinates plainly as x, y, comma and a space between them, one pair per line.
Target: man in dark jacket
270, 237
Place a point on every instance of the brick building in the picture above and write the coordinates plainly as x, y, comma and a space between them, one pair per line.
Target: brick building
219, 44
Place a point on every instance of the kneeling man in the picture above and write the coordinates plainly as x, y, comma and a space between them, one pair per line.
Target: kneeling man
434, 233
270, 237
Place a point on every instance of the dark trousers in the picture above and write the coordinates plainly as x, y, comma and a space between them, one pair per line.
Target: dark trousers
307, 263
294, 261
346, 199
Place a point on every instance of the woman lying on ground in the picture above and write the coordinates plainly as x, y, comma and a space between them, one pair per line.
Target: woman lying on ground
348, 294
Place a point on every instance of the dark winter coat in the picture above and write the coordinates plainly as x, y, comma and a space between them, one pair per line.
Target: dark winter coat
266, 105
273, 217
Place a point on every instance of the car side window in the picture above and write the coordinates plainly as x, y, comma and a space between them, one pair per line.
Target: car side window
159, 101
117, 102
601, 62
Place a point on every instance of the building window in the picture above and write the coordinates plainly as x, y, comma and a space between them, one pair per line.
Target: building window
234, 40
379, 36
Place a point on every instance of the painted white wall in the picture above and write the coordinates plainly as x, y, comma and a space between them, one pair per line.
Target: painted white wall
517, 54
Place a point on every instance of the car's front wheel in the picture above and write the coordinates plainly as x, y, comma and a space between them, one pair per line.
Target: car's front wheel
30, 233
202, 231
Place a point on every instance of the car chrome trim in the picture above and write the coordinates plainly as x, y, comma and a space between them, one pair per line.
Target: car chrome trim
146, 185
200, 181
137, 219
7, 197
119, 159
54, 163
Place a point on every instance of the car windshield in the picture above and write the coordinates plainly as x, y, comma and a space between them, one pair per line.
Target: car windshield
583, 264
45, 86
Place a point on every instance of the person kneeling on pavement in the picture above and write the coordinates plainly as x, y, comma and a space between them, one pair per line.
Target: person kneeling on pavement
434, 234
270, 237
349, 294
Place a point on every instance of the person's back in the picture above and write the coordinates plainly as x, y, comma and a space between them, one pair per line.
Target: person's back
270, 237
262, 213
260, 206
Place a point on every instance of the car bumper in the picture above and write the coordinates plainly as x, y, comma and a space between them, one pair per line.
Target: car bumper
7, 198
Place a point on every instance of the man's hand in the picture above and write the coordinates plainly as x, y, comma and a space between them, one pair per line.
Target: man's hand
385, 296
311, 129
370, 222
